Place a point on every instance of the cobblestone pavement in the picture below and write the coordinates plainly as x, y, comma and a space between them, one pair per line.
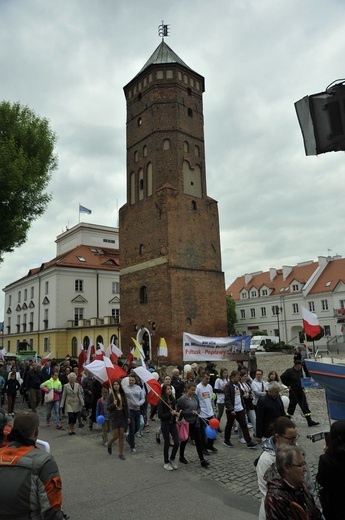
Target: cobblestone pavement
232, 467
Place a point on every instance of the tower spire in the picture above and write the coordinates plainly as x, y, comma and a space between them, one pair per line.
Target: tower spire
163, 30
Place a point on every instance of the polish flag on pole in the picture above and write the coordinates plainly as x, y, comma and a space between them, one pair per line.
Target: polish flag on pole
90, 352
113, 353
310, 323
100, 352
45, 359
153, 387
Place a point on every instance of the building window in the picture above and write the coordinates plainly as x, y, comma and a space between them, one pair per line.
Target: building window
31, 322
116, 314
186, 146
166, 144
141, 249
311, 306
190, 112
46, 287
145, 151
10, 300
263, 312
252, 313
46, 319
19, 296
193, 204
327, 330
9, 326
46, 344
244, 296
115, 287
324, 305
25, 294
264, 292
32, 292
140, 121
253, 294
143, 294
136, 156
295, 308
79, 285
295, 287
78, 315
189, 91
242, 314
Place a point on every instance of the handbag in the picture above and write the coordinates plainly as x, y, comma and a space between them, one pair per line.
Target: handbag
183, 430
49, 396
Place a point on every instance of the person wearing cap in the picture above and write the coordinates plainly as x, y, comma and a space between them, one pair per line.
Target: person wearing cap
30, 484
292, 378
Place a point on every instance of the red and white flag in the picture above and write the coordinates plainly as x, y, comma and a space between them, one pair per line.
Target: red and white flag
45, 359
105, 371
310, 323
113, 353
153, 387
81, 359
100, 352
90, 352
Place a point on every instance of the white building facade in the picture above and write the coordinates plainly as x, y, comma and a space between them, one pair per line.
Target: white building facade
70, 300
271, 301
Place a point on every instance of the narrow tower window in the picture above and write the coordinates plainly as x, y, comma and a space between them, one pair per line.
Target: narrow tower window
143, 294
190, 112
140, 121
166, 144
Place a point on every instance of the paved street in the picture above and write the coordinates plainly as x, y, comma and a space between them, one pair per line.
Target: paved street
95, 481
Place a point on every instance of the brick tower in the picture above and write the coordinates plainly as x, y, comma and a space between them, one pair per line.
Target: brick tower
171, 276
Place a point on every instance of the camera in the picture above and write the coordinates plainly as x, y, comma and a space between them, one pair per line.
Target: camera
318, 436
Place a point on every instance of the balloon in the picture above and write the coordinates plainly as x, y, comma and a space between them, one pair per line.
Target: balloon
125, 382
214, 423
186, 368
210, 432
286, 401
155, 375
214, 396
100, 419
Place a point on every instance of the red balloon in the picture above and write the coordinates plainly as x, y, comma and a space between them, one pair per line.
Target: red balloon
214, 423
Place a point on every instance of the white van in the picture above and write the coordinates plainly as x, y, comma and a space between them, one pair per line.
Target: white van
259, 342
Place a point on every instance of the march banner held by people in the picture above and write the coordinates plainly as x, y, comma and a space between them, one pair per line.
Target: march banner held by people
203, 348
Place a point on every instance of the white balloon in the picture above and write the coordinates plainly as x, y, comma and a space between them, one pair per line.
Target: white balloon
286, 401
155, 375
186, 369
125, 382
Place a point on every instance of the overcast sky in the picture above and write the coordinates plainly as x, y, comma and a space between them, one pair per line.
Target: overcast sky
68, 60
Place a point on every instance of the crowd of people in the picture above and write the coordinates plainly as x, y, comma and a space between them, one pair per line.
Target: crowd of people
193, 398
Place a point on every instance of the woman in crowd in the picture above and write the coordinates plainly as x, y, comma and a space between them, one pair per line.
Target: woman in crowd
331, 475
272, 376
167, 414
72, 400
118, 417
248, 397
189, 408
53, 384
219, 386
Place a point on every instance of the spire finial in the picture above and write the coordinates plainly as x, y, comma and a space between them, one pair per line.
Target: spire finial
163, 30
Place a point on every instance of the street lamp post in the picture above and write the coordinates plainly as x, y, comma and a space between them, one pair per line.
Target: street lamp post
276, 310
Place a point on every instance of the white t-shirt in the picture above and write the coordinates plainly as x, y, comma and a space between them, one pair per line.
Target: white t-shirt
220, 385
238, 403
204, 394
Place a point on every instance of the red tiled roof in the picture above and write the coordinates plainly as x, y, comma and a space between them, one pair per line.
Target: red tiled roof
300, 273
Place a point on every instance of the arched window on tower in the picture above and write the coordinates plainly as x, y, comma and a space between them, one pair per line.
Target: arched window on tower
193, 204
145, 150
139, 121
166, 144
190, 112
186, 147
197, 150
189, 91
132, 188
136, 156
143, 294
141, 249
141, 184
149, 176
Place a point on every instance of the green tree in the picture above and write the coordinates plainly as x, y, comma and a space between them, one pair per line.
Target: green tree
27, 161
231, 315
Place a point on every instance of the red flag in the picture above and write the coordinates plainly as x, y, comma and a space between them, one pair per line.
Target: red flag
152, 385
81, 359
310, 323
90, 352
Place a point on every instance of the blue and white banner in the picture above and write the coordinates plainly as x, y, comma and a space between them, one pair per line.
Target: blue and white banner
203, 348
